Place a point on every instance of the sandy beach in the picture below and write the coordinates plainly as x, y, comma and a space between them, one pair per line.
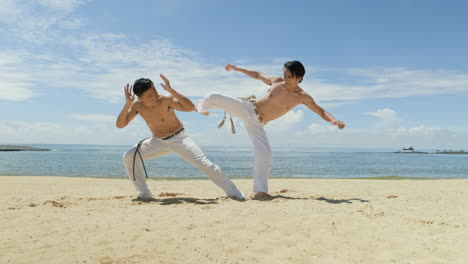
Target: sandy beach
87, 220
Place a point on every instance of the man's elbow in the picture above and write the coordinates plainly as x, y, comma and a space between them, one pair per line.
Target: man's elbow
189, 106
256, 75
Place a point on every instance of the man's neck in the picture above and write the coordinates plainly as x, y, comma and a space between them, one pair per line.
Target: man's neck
293, 88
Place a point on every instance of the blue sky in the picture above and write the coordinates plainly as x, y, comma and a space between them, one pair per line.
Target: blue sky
395, 72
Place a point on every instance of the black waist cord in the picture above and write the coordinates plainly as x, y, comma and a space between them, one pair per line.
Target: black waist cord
134, 158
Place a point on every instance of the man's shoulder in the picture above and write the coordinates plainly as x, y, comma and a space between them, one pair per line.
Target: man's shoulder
164, 97
278, 85
276, 79
136, 105
306, 97
301, 91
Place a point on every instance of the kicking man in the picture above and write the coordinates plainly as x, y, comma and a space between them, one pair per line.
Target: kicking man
284, 94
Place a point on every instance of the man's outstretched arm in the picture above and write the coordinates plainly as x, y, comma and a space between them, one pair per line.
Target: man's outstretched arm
179, 101
268, 79
128, 113
310, 103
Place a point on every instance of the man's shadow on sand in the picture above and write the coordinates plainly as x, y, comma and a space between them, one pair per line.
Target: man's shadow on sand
333, 201
274, 197
190, 200
340, 201
177, 200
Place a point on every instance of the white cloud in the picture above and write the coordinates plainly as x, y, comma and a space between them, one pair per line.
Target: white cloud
94, 118
61, 5
292, 117
287, 122
100, 64
15, 85
316, 129
118, 61
374, 83
315, 135
39, 22
385, 114
402, 82
108, 61
13, 92
418, 131
9, 11
334, 104
17, 132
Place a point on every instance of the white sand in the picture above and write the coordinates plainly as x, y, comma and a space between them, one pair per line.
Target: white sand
84, 220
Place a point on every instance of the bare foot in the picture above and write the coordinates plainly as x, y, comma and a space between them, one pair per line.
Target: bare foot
261, 195
203, 113
140, 199
235, 198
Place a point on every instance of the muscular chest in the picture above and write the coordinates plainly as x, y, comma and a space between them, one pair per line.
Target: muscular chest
281, 97
159, 114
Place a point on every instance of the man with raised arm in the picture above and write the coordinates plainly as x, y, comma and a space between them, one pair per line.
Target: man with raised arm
168, 135
284, 94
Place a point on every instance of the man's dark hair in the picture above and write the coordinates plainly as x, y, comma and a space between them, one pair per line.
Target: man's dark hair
141, 85
296, 68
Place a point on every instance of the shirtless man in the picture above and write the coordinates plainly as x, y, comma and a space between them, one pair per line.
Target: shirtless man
168, 135
283, 95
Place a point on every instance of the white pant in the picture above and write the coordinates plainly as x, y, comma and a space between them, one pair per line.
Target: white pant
246, 112
182, 145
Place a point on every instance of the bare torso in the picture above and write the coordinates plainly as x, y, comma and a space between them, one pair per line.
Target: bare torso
278, 101
160, 118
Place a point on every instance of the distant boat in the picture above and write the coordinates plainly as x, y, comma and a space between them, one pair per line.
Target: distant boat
410, 150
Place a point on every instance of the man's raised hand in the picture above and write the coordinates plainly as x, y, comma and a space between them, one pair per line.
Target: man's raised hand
230, 67
339, 124
166, 86
128, 94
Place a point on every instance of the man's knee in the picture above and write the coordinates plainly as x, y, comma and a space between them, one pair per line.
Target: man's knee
204, 164
129, 155
213, 97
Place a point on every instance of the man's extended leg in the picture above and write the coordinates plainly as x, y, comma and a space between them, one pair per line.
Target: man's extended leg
150, 149
246, 112
188, 150
228, 104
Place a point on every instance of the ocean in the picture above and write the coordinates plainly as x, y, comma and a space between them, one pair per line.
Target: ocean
106, 161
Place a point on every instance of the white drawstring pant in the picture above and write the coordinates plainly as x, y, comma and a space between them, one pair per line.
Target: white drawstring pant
245, 111
185, 147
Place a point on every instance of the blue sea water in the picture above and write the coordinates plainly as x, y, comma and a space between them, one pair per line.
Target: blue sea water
106, 161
